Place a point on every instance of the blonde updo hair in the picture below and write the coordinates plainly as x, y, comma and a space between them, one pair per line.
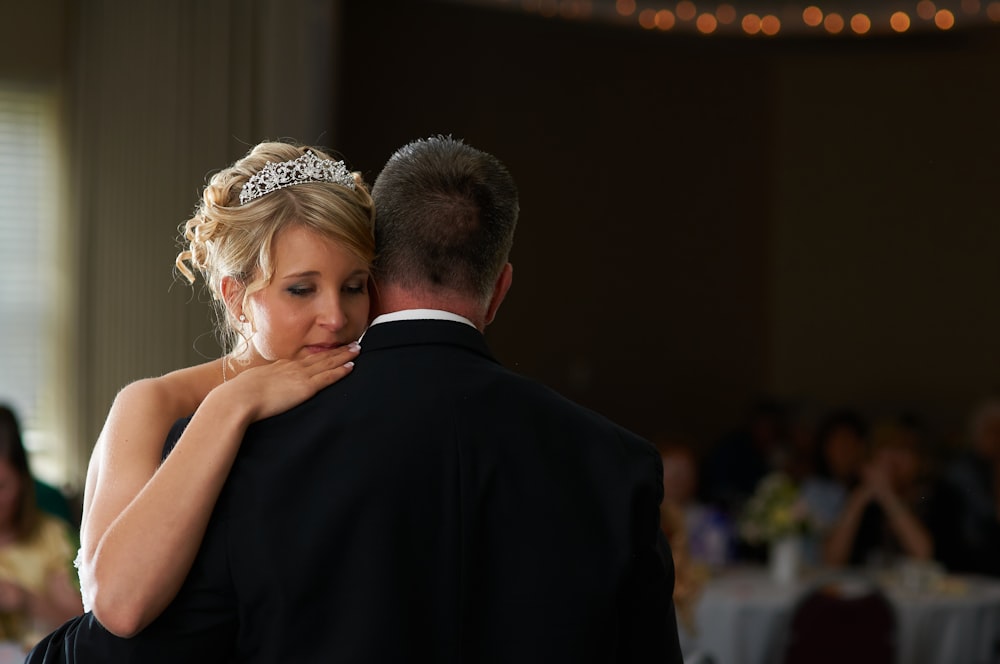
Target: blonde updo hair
227, 239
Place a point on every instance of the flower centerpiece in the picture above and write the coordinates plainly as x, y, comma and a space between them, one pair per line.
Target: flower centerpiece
775, 510
776, 515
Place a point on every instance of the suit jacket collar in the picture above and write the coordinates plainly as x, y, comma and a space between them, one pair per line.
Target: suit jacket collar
396, 334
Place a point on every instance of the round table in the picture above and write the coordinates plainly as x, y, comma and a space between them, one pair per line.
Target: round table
742, 615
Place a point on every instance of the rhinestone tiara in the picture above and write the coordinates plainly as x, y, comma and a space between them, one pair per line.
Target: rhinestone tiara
307, 168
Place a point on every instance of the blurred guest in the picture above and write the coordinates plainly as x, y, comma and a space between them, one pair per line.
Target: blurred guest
883, 515
689, 576
841, 451
697, 539
743, 457
38, 591
802, 443
709, 533
968, 540
49, 498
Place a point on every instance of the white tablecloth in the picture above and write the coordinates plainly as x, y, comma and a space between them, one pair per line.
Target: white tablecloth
742, 617
11, 653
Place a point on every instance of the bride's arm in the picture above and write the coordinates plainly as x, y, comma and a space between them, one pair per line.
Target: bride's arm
143, 522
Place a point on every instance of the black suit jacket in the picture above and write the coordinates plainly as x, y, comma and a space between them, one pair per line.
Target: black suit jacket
433, 506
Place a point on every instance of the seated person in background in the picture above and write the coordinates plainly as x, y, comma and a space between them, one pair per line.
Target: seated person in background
697, 533
50, 499
738, 462
883, 515
967, 537
709, 532
841, 450
800, 449
688, 576
38, 591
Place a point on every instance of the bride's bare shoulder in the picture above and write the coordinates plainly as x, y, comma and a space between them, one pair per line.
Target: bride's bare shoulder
179, 392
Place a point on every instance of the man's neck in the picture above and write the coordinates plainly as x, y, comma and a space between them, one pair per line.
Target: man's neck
393, 299
421, 314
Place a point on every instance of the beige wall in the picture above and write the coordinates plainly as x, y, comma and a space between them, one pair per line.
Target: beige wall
157, 96
34, 40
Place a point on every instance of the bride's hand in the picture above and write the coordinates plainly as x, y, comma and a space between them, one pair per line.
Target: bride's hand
276, 387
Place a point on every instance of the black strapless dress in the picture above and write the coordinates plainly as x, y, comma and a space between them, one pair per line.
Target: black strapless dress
83, 640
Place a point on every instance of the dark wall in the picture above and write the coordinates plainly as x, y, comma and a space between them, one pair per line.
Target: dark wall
639, 264
885, 270
673, 231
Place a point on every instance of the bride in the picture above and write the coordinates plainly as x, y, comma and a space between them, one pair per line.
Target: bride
288, 267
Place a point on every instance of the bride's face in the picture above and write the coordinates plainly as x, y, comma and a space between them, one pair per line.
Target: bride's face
316, 300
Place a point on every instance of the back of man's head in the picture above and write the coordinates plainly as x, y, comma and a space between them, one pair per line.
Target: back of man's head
445, 214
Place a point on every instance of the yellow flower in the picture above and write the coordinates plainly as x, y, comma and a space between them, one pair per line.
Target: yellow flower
774, 510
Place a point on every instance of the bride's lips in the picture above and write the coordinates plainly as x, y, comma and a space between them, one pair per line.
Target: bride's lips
322, 348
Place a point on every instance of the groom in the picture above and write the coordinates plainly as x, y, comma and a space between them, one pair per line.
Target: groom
433, 506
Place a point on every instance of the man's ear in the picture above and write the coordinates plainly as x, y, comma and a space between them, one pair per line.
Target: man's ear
373, 300
500, 291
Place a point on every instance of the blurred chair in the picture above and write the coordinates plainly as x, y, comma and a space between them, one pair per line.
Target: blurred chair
842, 622
699, 657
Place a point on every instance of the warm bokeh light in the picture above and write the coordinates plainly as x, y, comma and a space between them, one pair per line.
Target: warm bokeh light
833, 23
795, 18
812, 16
900, 21
971, 6
569, 9
770, 25
548, 8
726, 14
686, 10
750, 24
944, 19
707, 24
665, 19
625, 7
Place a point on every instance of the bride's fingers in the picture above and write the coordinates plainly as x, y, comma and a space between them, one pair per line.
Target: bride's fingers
312, 373
329, 363
334, 357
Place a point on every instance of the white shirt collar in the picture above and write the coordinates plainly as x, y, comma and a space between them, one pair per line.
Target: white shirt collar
421, 314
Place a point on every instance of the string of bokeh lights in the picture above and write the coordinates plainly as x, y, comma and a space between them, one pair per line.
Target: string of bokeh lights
828, 18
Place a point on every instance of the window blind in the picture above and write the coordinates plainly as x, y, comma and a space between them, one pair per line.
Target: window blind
28, 297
